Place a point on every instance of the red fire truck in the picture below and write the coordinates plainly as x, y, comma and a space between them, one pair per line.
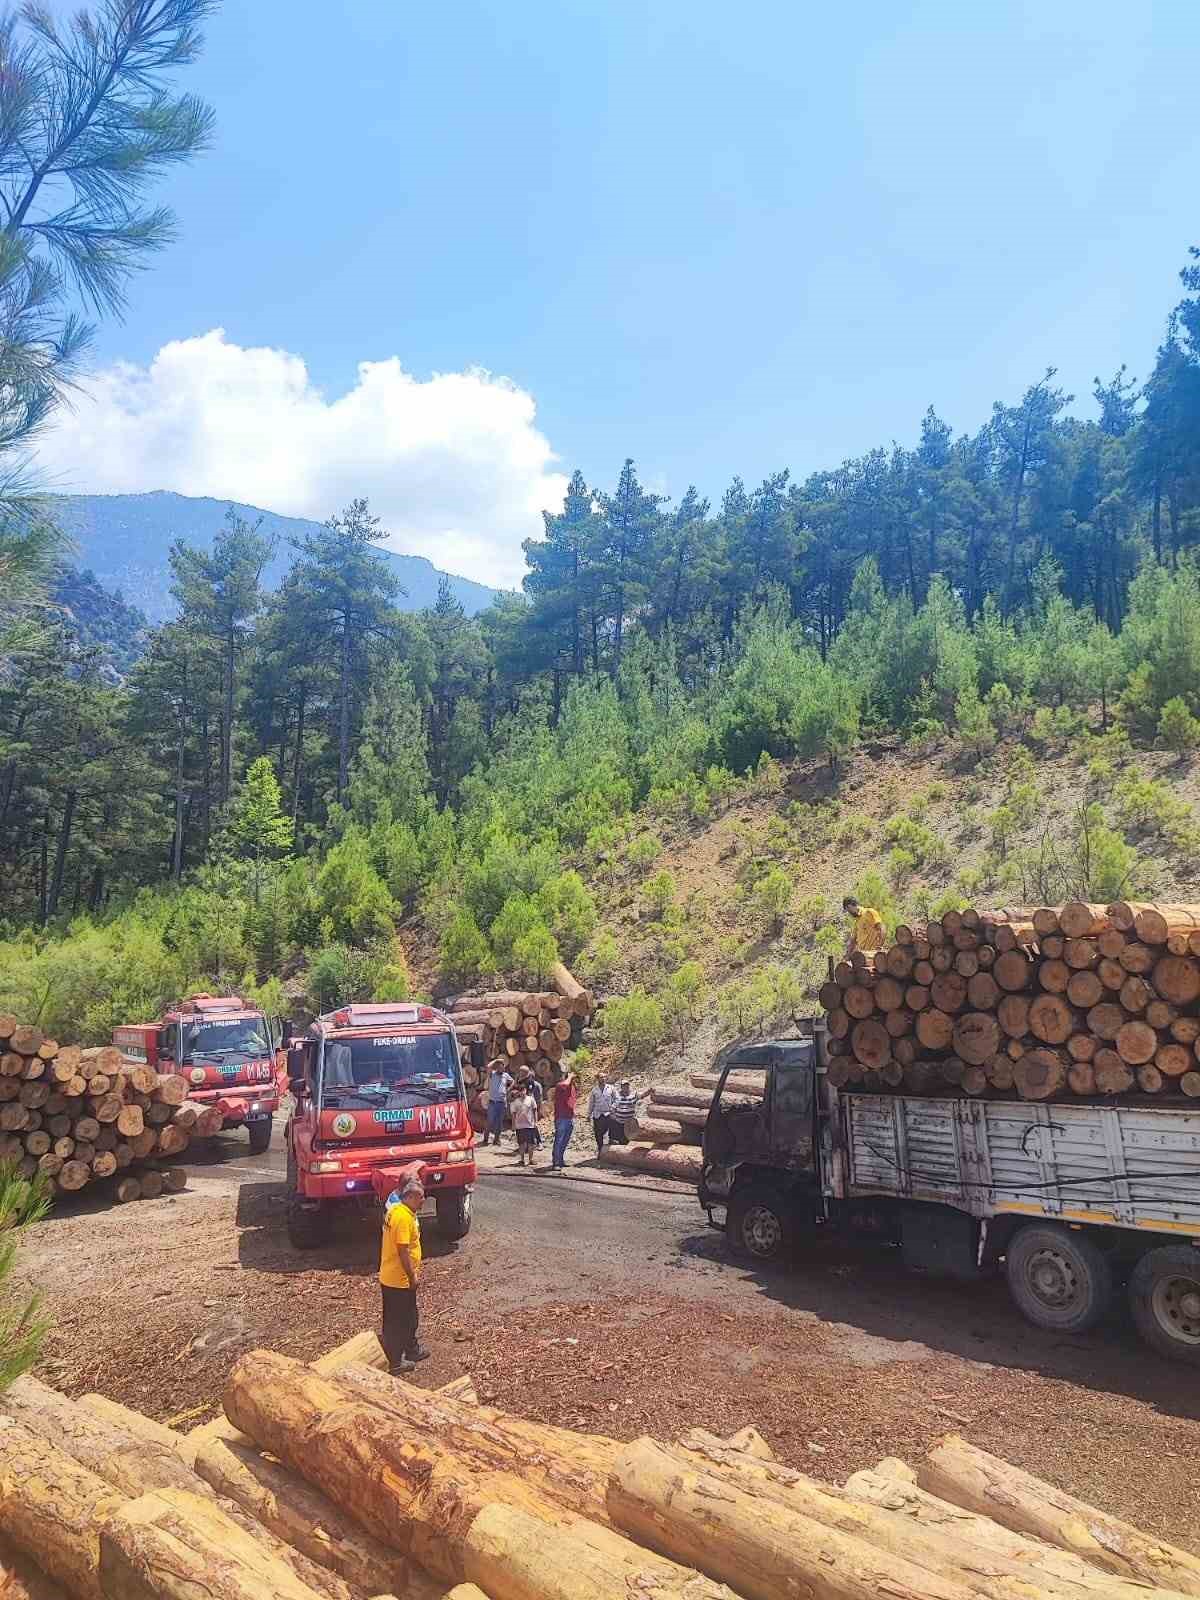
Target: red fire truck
229, 1052
378, 1089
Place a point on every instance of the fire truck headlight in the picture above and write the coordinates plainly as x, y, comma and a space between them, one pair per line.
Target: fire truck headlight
453, 1156
326, 1166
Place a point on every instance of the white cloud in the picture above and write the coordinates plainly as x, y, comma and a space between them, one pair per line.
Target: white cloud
452, 464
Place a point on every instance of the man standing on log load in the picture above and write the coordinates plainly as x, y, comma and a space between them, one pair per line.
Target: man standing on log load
867, 932
399, 1275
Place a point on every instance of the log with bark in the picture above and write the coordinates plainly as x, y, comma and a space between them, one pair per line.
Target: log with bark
760, 1546
675, 1160
458, 1515
981, 1483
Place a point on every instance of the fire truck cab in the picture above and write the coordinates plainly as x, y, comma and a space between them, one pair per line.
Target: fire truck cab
377, 1089
229, 1052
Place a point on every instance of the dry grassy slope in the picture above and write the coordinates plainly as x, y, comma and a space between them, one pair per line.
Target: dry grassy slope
707, 859
773, 823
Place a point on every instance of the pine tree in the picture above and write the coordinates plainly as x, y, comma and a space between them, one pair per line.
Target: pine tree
220, 594
343, 591
632, 522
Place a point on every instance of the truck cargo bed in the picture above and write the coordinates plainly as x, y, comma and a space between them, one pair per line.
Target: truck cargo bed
1126, 1163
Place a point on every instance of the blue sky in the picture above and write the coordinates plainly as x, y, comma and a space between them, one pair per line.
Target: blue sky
719, 239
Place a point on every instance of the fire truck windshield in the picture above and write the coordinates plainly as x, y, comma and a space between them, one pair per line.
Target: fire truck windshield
232, 1036
399, 1070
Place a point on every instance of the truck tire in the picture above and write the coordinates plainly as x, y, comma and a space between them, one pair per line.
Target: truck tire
759, 1225
307, 1224
1058, 1278
260, 1136
454, 1214
1164, 1296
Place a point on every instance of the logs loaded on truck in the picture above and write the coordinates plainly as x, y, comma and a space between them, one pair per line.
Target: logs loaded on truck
337, 1482
956, 1121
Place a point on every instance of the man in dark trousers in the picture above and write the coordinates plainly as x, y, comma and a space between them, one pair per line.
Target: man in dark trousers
400, 1273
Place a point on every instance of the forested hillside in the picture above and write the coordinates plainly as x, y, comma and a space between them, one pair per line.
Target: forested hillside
289, 776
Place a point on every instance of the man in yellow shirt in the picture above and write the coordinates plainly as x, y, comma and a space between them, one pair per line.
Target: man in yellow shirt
867, 934
400, 1273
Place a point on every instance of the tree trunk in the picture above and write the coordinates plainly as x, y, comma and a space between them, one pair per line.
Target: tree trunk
675, 1160
453, 1512
763, 1546
287, 1507
51, 1509
60, 856
1039, 1074
892, 1486
344, 710
959, 1472
128, 1462
1051, 1019
171, 1545
227, 675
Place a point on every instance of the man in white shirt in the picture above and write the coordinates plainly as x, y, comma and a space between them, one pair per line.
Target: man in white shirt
599, 1108
499, 1083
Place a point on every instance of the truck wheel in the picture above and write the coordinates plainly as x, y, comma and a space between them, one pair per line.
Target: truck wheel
1164, 1295
1058, 1278
759, 1224
454, 1215
260, 1136
307, 1224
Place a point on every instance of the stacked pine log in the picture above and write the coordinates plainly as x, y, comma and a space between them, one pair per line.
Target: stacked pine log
82, 1115
336, 1482
1073, 1000
523, 1029
666, 1140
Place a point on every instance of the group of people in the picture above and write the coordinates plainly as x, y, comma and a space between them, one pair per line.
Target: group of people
609, 1107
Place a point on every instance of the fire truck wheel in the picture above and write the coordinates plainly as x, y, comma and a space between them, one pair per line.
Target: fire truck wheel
454, 1215
260, 1136
307, 1225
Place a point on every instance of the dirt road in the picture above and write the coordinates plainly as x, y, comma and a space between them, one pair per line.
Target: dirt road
613, 1307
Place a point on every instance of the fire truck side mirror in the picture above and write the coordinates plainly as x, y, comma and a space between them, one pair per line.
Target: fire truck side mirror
297, 1082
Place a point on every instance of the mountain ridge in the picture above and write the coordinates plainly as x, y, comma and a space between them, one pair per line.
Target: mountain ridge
123, 539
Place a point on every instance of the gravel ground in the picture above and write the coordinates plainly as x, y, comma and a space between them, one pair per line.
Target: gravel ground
606, 1304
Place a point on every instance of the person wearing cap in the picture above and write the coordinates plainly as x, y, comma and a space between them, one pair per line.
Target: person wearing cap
400, 1273
500, 1081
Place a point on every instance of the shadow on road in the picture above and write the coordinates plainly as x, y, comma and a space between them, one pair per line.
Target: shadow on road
352, 1247
865, 1286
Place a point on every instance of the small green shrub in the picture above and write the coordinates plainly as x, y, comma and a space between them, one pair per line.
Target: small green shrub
599, 962
660, 892
464, 952
770, 896
853, 829
1178, 729
643, 851
635, 1024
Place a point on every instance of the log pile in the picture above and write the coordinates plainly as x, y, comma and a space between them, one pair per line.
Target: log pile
80, 1116
337, 1482
1040, 1003
525, 1030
